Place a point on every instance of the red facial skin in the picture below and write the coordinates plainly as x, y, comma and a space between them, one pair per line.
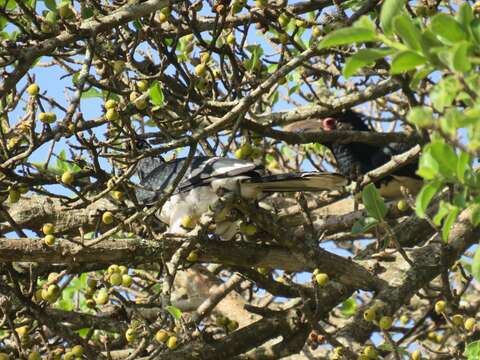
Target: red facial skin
329, 124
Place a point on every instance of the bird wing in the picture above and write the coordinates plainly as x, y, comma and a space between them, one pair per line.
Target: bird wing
205, 175
215, 168
156, 176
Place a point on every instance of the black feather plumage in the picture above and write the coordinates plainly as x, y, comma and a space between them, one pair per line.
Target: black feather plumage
356, 159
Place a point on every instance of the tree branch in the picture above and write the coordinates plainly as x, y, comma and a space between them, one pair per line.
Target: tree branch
135, 251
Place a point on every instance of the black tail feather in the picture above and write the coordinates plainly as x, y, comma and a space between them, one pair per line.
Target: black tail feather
306, 181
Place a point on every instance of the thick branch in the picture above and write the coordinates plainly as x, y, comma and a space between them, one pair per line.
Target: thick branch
371, 92
335, 136
32, 212
134, 251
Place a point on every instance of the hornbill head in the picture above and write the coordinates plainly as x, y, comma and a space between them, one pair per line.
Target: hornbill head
346, 120
353, 159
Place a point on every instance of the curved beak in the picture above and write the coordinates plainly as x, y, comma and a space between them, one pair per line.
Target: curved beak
305, 126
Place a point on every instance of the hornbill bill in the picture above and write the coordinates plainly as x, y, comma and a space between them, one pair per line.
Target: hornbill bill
356, 159
198, 189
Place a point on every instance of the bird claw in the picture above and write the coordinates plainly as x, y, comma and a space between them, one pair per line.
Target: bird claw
353, 187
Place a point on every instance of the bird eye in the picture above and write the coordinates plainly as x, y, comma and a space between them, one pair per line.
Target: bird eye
329, 124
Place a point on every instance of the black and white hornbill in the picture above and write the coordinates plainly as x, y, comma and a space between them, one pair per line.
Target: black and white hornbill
198, 189
355, 159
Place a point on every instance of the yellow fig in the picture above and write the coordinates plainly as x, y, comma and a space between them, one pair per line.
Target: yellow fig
68, 178
33, 89
48, 228
321, 279
107, 217
172, 342
161, 336
49, 240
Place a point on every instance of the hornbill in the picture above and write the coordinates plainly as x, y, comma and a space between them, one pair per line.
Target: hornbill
356, 159
205, 176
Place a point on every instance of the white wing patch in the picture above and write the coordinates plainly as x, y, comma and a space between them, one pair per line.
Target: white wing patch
230, 167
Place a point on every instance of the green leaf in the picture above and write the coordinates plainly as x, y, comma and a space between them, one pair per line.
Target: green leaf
475, 29
66, 302
363, 58
420, 116
444, 92
390, 9
50, 4
273, 99
419, 75
257, 52
49, 171
65, 305
3, 22
429, 42
51, 17
460, 59
86, 12
447, 29
445, 157
348, 307
425, 196
8, 4
83, 332
460, 199
452, 119
363, 225
364, 22
166, 41
75, 78
299, 40
472, 350
272, 68
156, 94
465, 15
389, 348
408, 32
373, 202
463, 164
443, 210
91, 93
61, 163
111, 95
475, 214
346, 36
174, 311
449, 221
90, 235
294, 89
405, 61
